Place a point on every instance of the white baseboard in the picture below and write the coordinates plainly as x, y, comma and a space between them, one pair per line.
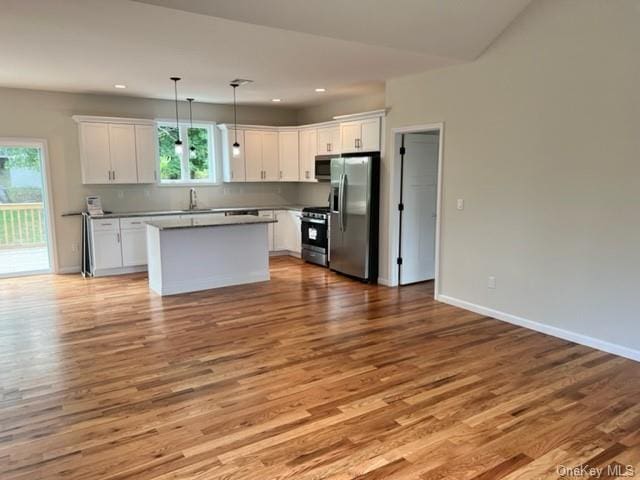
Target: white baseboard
543, 328
67, 270
385, 281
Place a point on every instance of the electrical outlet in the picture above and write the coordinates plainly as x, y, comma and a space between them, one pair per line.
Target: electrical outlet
491, 282
460, 204
75, 247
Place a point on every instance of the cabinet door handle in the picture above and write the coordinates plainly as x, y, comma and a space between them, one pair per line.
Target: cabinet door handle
155, 175
118, 236
232, 174
114, 174
280, 174
355, 143
328, 147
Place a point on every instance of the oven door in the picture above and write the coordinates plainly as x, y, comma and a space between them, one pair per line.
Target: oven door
314, 234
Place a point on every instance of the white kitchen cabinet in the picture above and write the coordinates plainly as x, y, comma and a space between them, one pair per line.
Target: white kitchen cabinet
253, 155
233, 168
94, 152
116, 150
329, 140
261, 156
270, 227
282, 230
105, 248
146, 153
287, 232
308, 151
288, 155
360, 136
296, 237
133, 235
270, 156
122, 148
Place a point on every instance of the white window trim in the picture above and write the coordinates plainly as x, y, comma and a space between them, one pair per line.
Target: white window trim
214, 177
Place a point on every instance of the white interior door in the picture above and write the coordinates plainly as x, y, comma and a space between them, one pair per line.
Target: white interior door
420, 193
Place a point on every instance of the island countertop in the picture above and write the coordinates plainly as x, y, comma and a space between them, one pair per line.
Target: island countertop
209, 222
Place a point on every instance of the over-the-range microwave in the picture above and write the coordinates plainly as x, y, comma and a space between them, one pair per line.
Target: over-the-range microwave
323, 167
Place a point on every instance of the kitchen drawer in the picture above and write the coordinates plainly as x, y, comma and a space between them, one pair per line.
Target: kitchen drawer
105, 224
137, 223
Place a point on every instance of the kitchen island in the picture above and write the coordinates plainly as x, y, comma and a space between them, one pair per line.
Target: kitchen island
194, 254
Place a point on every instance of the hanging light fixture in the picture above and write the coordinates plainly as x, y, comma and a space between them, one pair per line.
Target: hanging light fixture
178, 144
192, 149
235, 150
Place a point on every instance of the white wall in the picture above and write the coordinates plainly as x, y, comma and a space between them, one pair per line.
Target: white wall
542, 140
47, 115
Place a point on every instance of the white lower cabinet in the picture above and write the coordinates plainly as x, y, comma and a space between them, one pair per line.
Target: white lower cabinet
105, 244
270, 227
287, 234
133, 235
120, 245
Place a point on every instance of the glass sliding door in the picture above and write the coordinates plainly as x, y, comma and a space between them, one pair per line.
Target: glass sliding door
24, 223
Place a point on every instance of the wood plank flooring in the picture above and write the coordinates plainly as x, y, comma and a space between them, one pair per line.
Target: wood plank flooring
309, 376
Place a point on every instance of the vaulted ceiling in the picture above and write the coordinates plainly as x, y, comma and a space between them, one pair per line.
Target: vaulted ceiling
288, 47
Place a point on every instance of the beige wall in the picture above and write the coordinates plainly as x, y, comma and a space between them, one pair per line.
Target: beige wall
47, 115
542, 140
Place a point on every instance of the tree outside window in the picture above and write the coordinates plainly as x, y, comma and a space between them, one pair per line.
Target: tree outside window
191, 167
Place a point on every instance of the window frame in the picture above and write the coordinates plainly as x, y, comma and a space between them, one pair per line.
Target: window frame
213, 179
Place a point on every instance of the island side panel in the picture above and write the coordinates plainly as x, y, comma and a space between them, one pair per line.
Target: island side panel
203, 258
154, 260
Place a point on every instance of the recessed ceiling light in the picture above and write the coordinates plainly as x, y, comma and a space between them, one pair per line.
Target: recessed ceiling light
320, 90
276, 100
119, 85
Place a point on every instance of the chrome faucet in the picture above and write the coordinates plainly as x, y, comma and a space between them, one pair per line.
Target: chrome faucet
193, 199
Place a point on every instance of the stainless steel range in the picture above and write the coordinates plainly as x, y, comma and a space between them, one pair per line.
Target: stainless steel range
315, 235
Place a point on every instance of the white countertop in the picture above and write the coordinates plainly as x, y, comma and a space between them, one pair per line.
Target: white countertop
209, 222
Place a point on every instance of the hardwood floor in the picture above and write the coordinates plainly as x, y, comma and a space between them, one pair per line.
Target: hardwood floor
309, 376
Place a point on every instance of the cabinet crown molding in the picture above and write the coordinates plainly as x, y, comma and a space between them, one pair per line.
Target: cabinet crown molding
121, 120
361, 116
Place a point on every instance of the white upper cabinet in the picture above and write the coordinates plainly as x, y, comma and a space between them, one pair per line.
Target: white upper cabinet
360, 136
287, 154
270, 156
261, 156
116, 150
329, 140
122, 145
253, 155
233, 168
288, 151
94, 152
146, 153
308, 152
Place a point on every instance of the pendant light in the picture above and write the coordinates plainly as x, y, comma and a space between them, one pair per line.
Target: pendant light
192, 149
178, 144
235, 150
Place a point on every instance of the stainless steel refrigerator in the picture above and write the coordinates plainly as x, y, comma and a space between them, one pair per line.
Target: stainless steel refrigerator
353, 229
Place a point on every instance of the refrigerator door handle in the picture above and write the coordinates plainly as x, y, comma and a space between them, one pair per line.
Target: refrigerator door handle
340, 201
343, 182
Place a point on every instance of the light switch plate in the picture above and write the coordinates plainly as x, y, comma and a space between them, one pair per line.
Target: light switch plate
491, 282
460, 204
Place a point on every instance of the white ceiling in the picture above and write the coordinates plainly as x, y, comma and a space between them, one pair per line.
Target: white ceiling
344, 46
